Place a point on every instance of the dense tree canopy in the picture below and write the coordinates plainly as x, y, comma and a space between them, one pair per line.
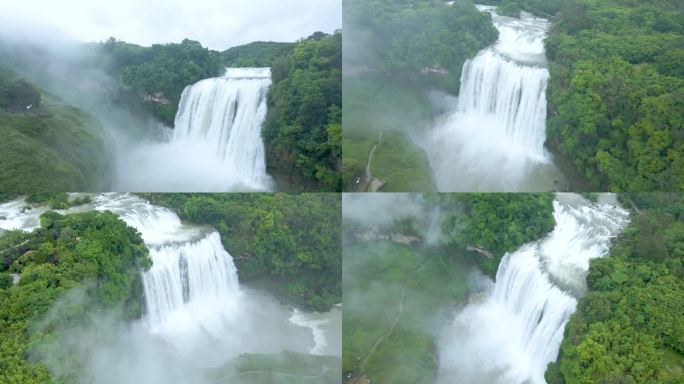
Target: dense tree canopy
402, 39
303, 128
494, 222
394, 53
279, 240
616, 96
629, 327
165, 68
256, 54
72, 266
302, 131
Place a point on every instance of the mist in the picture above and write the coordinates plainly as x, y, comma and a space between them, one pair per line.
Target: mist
199, 323
142, 153
105, 349
218, 24
366, 216
512, 328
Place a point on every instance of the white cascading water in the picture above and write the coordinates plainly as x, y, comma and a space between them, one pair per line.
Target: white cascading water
494, 140
193, 299
512, 335
216, 144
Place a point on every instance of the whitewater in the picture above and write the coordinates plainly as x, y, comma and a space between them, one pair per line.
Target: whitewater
493, 140
515, 331
194, 301
215, 146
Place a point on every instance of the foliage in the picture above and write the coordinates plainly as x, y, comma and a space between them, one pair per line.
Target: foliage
401, 38
51, 147
165, 68
616, 96
256, 54
388, 47
57, 200
543, 8
494, 222
283, 368
373, 105
378, 276
630, 319
303, 127
18, 94
279, 240
70, 267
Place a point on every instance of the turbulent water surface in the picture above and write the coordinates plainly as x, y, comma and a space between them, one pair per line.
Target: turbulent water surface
216, 144
193, 299
511, 335
494, 138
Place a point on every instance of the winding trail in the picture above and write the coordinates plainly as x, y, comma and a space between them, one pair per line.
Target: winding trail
360, 378
370, 183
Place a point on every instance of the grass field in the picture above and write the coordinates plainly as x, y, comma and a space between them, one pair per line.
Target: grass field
395, 296
55, 148
373, 105
283, 368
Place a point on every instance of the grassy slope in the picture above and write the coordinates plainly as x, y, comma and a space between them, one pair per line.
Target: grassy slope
283, 368
58, 148
375, 274
372, 105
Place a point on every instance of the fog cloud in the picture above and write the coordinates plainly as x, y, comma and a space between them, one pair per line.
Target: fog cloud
217, 24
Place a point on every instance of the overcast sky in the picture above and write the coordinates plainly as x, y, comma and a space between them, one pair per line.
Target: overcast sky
217, 24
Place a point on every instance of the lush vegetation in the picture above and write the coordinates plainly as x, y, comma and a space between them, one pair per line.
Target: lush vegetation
57, 200
303, 127
288, 243
256, 54
629, 327
71, 267
403, 38
284, 368
45, 144
165, 68
381, 112
395, 51
616, 96
494, 222
393, 294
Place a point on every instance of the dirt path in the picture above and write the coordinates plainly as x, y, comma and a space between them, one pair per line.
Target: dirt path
361, 378
370, 183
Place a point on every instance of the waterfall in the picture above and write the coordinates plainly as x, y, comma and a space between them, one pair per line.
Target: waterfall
216, 144
512, 335
494, 139
192, 286
227, 113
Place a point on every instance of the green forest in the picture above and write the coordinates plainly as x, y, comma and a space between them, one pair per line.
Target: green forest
302, 131
289, 243
614, 98
49, 145
629, 327
395, 51
395, 294
45, 144
77, 269
303, 127
71, 267
616, 92
494, 222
